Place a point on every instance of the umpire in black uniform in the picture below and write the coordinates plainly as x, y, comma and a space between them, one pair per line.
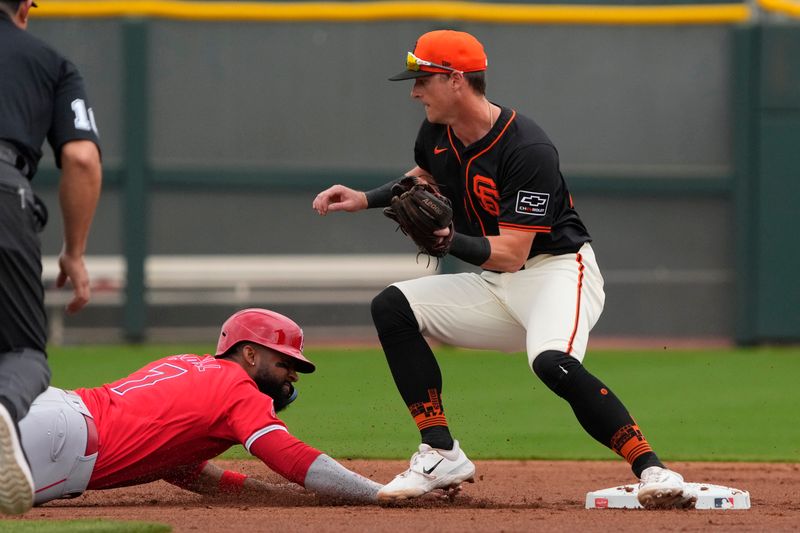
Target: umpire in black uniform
41, 95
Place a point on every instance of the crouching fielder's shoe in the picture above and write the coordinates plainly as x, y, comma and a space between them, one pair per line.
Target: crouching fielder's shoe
430, 469
660, 488
16, 481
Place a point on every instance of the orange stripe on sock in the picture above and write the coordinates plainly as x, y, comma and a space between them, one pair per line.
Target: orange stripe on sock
424, 423
629, 443
637, 449
430, 413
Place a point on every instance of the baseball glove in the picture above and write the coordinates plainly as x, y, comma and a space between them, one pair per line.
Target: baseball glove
419, 209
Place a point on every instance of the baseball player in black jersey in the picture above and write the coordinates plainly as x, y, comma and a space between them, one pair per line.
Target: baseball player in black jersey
42, 96
540, 289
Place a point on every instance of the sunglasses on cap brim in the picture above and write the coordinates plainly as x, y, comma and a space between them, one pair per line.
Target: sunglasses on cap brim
413, 63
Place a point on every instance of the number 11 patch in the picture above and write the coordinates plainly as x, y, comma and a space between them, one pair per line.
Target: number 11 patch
532, 203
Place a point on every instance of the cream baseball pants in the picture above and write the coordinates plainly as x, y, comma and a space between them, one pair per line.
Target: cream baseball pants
550, 304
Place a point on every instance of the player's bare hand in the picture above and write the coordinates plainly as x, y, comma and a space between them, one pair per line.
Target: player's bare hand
73, 268
339, 198
442, 234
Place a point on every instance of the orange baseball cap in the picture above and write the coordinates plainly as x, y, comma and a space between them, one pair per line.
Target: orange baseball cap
443, 51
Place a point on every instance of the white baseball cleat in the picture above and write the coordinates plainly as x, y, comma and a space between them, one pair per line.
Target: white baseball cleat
16, 481
660, 488
430, 469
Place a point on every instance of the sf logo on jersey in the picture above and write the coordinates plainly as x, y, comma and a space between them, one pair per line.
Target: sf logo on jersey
532, 203
486, 192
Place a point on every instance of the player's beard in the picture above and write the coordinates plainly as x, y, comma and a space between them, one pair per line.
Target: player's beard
276, 389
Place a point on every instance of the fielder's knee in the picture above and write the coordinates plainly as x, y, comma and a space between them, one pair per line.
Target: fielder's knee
391, 311
556, 370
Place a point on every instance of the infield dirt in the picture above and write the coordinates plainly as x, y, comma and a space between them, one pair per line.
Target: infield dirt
507, 496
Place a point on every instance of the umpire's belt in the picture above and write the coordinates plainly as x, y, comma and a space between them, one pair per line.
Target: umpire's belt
10, 155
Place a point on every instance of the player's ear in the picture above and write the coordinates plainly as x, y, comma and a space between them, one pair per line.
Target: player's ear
457, 80
21, 16
249, 354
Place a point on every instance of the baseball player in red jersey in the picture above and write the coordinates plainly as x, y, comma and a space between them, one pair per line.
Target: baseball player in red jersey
167, 419
540, 288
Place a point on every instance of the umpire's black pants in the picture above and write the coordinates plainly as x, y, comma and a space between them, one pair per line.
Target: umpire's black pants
24, 373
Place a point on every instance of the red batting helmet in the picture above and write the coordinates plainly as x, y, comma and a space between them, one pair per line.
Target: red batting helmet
266, 328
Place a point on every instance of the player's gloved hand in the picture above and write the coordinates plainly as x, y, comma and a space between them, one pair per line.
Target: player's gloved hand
406, 184
422, 212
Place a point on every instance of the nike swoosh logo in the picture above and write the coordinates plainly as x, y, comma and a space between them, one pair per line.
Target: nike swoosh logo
438, 150
431, 469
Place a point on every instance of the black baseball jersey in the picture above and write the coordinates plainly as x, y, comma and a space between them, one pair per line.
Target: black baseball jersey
508, 179
41, 95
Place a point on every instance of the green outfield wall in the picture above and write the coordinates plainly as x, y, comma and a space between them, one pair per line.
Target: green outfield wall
677, 127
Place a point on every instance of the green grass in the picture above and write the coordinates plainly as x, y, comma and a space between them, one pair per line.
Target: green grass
81, 526
732, 405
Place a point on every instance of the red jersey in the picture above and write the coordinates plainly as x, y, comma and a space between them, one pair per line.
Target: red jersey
177, 411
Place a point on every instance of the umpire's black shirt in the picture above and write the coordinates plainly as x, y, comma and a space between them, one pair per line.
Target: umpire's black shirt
41, 95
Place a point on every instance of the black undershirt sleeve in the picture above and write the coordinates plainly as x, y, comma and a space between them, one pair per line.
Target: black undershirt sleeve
473, 250
381, 196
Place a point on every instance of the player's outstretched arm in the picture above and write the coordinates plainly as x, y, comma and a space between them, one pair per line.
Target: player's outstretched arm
339, 198
210, 480
327, 478
300, 463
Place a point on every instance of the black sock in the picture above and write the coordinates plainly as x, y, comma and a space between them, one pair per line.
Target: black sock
597, 409
438, 437
413, 365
